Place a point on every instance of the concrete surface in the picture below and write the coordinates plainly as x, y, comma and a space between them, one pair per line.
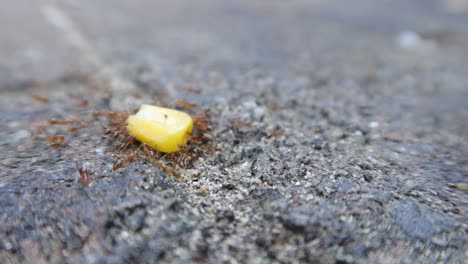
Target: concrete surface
372, 167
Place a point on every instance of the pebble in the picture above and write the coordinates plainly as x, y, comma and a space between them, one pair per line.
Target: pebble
419, 221
295, 222
374, 124
203, 190
462, 186
20, 135
408, 39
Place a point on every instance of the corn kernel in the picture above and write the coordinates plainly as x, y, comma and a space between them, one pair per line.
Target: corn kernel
161, 128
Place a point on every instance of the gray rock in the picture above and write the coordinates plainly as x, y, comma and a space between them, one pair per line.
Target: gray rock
418, 221
366, 171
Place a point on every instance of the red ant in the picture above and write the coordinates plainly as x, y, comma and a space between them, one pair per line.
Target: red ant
128, 148
239, 122
61, 122
85, 174
186, 105
125, 161
148, 151
74, 129
275, 107
57, 140
40, 99
277, 133
202, 122
167, 170
192, 90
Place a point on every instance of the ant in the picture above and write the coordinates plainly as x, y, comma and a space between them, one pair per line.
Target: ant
275, 107
192, 90
75, 128
238, 122
210, 148
61, 122
148, 151
82, 103
40, 99
277, 133
85, 174
126, 146
125, 161
186, 105
57, 140
201, 122
74, 123
167, 162
167, 170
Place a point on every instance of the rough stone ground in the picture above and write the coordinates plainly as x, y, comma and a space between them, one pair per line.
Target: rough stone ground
372, 167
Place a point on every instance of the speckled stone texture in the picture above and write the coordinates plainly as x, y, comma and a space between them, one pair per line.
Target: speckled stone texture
369, 168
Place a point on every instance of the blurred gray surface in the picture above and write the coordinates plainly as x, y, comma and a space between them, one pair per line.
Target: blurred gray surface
33, 49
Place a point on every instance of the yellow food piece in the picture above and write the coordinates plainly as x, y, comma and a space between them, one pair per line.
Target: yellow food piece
161, 128
462, 186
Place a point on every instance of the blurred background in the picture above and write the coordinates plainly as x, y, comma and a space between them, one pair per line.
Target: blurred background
41, 40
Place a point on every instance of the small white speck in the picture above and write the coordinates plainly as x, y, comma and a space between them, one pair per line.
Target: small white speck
20, 135
99, 151
374, 124
408, 39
